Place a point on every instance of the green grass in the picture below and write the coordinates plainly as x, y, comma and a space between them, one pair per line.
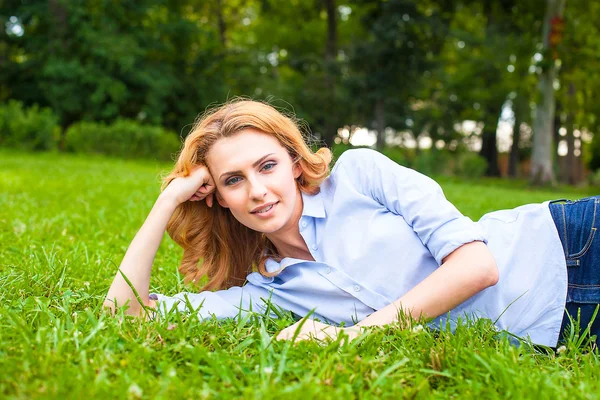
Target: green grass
65, 223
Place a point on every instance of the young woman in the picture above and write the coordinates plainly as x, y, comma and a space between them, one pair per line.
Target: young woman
260, 216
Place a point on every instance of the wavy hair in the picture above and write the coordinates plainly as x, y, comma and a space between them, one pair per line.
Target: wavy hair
228, 249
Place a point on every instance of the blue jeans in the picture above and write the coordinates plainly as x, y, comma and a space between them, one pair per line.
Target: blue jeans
577, 222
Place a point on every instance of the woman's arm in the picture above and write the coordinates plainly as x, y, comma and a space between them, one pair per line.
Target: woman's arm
137, 263
465, 272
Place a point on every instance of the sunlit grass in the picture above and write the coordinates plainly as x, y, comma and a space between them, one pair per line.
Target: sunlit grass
65, 223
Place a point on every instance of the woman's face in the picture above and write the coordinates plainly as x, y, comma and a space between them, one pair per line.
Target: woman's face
255, 179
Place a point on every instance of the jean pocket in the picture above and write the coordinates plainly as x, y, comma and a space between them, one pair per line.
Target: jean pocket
588, 294
581, 226
586, 247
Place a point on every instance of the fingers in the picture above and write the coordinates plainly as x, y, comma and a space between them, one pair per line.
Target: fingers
285, 334
206, 188
209, 198
311, 330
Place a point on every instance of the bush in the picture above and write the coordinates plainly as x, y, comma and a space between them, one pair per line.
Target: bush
433, 162
594, 178
591, 153
470, 165
31, 128
124, 138
339, 148
397, 154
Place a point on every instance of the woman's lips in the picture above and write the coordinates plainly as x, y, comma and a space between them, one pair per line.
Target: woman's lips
267, 211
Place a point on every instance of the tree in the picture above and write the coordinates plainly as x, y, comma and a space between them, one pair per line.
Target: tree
395, 57
330, 129
488, 63
579, 93
98, 60
542, 157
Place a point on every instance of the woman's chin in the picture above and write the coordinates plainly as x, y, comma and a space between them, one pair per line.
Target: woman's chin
267, 229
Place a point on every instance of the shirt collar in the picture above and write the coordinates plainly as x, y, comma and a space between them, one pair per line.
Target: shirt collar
313, 205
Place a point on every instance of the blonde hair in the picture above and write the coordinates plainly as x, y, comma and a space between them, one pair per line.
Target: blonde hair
228, 249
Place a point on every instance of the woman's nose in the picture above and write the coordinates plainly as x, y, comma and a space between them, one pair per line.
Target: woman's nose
257, 190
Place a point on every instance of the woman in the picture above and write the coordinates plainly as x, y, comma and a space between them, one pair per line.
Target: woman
356, 246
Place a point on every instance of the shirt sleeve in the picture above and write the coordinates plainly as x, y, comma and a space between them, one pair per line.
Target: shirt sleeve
234, 302
414, 196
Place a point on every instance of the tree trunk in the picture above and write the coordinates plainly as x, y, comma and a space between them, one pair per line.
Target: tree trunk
58, 29
513, 161
489, 146
58, 43
571, 175
556, 125
542, 157
330, 74
380, 122
221, 24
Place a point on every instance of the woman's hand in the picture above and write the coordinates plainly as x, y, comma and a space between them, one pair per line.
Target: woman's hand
312, 329
197, 186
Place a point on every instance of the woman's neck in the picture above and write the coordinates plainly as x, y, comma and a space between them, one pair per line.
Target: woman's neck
295, 248
287, 240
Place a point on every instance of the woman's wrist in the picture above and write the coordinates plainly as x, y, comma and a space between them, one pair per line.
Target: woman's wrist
167, 200
384, 316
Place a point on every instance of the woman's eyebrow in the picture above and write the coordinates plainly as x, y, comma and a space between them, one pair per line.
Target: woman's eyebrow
255, 164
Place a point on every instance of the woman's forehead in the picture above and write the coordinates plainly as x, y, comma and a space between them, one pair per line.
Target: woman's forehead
242, 150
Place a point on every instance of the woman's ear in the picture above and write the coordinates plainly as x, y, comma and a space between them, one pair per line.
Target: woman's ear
297, 170
221, 200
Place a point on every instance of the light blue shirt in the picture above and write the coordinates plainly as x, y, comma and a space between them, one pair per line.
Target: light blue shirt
377, 229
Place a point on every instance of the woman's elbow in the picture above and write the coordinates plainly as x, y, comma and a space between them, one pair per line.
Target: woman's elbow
485, 264
490, 274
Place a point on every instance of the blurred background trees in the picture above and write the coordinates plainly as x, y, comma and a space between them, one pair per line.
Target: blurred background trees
466, 86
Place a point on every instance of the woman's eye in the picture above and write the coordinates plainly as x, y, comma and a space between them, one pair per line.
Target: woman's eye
232, 181
268, 166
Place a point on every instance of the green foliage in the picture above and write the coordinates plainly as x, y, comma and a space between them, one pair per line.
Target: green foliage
123, 138
594, 178
30, 128
470, 165
395, 153
100, 61
465, 164
593, 153
340, 148
398, 154
433, 162
425, 66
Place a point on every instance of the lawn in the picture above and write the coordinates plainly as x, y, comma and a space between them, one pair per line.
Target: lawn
65, 223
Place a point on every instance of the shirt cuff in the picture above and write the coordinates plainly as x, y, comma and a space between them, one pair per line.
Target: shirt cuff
452, 235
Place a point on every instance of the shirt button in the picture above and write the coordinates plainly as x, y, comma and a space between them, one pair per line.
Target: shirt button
356, 288
304, 224
315, 247
328, 270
